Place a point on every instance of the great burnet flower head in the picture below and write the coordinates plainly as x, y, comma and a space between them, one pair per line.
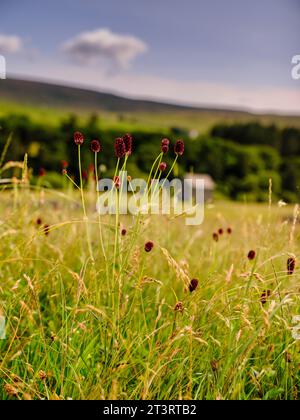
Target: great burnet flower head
128, 143
165, 145
149, 246
78, 138
291, 263
193, 285
42, 172
264, 296
251, 255
120, 148
95, 146
64, 164
179, 147
162, 166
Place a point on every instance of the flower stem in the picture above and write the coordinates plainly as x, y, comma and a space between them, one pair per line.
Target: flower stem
85, 218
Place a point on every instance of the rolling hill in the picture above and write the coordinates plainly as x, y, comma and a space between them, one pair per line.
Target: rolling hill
40, 98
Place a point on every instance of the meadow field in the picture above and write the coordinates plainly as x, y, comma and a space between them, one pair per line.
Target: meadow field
197, 317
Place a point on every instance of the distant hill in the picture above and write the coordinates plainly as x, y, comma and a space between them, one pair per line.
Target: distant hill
70, 98
45, 100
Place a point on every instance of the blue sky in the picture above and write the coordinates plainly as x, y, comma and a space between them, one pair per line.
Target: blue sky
231, 53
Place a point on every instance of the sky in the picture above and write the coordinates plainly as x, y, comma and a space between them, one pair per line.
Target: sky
233, 53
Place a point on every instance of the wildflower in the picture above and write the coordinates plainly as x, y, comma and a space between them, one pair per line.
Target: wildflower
120, 148
220, 231
148, 246
215, 237
178, 307
264, 296
251, 255
165, 145
193, 285
163, 166
42, 172
78, 138
229, 230
123, 232
38, 221
179, 148
64, 164
291, 262
127, 138
64, 172
95, 146
46, 230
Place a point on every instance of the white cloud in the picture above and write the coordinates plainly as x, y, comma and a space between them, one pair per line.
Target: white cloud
104, 44
10, 44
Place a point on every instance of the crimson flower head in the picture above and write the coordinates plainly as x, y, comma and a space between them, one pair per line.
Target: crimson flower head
120, 148
215, 237
78, 138
165, 145
64, 164
179, 147
127, 138
163, 166
95, 146
265, 294
251, 255
42, 172
149, 246
123, 232
220, 231
291, 263
229, 230
193, 285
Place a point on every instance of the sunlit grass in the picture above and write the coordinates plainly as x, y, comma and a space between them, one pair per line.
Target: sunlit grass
74, 331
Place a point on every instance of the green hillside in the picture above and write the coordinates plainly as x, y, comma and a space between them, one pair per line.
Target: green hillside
51, 102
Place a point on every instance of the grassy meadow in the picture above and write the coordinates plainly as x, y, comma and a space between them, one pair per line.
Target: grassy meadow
125, 325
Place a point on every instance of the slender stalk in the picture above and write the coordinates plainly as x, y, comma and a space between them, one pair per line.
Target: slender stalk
99, 214
116, 221
83, 206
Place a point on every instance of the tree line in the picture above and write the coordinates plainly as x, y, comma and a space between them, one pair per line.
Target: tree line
241, 158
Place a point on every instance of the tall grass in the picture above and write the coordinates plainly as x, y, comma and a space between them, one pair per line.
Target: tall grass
126, 326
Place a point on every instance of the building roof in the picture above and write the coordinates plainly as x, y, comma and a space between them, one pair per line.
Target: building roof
209, 183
